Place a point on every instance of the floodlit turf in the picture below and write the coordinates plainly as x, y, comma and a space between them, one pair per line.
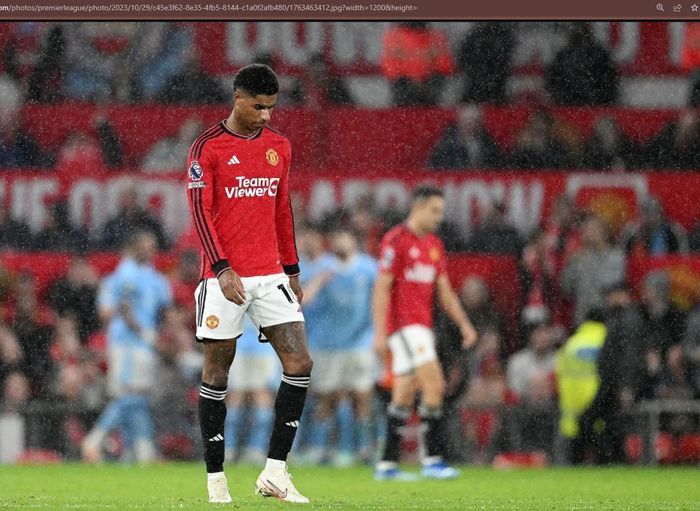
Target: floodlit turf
182, 486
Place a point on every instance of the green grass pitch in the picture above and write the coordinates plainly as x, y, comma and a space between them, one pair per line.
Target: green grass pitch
183, 486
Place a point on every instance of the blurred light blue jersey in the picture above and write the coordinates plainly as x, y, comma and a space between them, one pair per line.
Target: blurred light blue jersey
145, 291
312, 309
344, 319
248, 343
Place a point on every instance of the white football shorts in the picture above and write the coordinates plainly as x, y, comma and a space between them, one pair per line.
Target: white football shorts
269, 301
411, 347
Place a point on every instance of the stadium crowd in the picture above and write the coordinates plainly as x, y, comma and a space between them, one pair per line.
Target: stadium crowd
507, 395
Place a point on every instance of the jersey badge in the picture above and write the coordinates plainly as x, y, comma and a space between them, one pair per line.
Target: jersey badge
196, 171
434, 255
212, 322
272, 157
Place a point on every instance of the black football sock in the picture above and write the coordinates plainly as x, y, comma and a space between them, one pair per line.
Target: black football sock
212, 415
289, 404
433, 419
396, 417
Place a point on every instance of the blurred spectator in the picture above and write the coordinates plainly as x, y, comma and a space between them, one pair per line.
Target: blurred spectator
484, 57
46, 79
416, 59
690, 60
80, 153
475, 296
494, 235
127, 61
583, 72
609, 148
653, 234
677, 145
563, 230
110, 144
11, 356
59, 235
691, 347
17, 147
593, 269
193, 85
75, 294
32, 325
537, 147
78, 392
14, 234
664, 322
169, 153
465, 144
131, 217
535, 360
367, 225
539, 280
319, 87
15, 393
694, 238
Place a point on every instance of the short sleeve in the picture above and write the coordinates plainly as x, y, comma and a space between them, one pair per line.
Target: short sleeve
389, 260
108, 295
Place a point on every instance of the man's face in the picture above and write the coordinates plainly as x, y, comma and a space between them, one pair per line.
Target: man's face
431, 212
343, 244
253, 112
145, 247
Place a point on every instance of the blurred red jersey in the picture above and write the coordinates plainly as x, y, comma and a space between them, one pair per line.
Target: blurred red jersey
415, 262
238, 193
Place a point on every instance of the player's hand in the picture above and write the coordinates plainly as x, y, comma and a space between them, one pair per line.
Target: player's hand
296, 287
381, 345
232, 287
469, 336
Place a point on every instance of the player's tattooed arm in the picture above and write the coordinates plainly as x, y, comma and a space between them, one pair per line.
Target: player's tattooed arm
287, 337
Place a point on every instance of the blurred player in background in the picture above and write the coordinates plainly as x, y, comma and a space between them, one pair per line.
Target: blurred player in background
131, 302
345, 364
250, 383
238, 193
411, 268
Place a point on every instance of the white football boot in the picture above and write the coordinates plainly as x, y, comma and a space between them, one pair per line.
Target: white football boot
276, 482
218, 488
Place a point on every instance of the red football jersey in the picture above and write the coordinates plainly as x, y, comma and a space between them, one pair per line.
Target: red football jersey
415, 262
238, 193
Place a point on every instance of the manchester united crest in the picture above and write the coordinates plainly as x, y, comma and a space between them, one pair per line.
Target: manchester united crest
212, 322
434, 255
272, 157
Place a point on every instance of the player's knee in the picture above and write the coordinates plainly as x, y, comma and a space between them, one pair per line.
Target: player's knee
215, 375
299, 365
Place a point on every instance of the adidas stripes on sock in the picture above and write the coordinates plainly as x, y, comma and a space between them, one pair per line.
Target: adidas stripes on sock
212, 415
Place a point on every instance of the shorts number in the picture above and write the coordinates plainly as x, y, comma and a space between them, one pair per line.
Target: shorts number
286, 293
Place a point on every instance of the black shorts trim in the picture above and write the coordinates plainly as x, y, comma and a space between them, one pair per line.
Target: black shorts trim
201, 299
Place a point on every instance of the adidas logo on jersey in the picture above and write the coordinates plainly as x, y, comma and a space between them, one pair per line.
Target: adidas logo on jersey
234, 160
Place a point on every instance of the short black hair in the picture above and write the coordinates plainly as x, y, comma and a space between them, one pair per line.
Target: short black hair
255, 79
423, 192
